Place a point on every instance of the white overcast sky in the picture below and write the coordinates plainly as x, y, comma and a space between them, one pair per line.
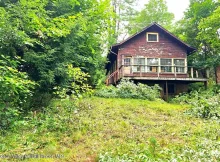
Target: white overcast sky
175, 6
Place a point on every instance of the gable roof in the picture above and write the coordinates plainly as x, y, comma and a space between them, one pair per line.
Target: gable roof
188, 47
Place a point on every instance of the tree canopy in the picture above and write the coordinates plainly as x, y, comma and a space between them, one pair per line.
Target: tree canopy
51, 35
154, 11
198, 28
48, 35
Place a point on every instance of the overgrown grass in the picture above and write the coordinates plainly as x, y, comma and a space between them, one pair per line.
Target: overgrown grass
115, 130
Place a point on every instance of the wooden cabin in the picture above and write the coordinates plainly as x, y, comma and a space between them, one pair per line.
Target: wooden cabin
154, 56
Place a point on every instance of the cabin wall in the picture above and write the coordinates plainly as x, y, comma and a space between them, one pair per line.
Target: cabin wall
178, 88
138, 46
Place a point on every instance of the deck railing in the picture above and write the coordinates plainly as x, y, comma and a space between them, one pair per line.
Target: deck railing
156, 72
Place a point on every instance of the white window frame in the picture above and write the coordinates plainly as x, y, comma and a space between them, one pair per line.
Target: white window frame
148, 66
183, 66
172, 69
159, 64
154, 34
134, 68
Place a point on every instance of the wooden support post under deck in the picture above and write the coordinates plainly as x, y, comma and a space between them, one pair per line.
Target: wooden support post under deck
166, 91
206, 84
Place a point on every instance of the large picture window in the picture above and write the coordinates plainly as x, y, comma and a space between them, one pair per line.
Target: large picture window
152, 64
179, 65
139, 65
166, 65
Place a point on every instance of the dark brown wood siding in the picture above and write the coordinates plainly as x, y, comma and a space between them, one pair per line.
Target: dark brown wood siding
138, 46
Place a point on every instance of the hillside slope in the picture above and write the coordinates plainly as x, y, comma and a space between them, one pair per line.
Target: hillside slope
122, 129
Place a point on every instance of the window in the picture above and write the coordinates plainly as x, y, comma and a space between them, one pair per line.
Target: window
152, 65
166, 65
152, 61
137, 62
179, 65
127, 61
152, 37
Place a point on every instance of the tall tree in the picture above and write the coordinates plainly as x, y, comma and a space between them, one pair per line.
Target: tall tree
188, 26
210, 36
188, 29
197, 22
124, 10
154, 11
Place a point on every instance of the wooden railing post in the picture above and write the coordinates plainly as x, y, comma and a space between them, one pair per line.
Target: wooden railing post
122, 68
207, 73
175, 71
158, 73
140, 71
119, 73
192, 72
197, 75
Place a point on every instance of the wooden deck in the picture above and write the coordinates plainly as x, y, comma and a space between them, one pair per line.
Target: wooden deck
189, 75
160, 78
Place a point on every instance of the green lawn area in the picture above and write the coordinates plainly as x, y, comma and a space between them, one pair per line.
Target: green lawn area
121, 129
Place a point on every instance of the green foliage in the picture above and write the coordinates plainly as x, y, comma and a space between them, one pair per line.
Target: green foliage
198, 28
188, 28
124, 11
205, 103
196, 86
154, 11
127, 89
49, 35
15, 88
208, 29
142, 153
206, 150
107, 92
76, 85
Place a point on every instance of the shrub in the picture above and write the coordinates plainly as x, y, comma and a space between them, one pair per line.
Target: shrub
75, 86
205, 104
107, 92
128, 89
206, 150
148, 92
15, 89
